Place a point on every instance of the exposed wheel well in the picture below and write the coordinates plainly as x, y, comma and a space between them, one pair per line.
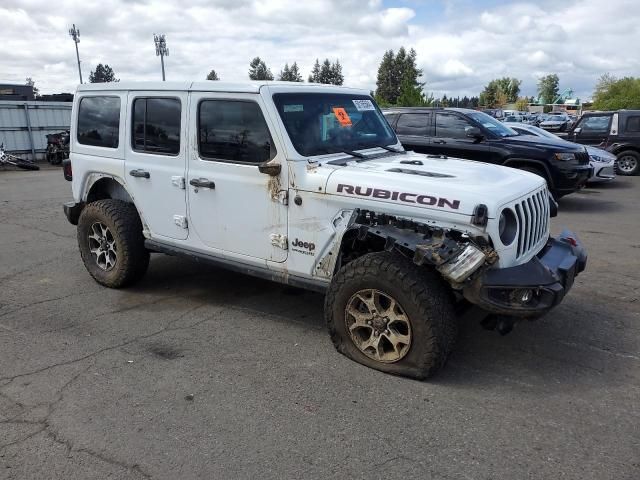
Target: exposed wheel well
107, 188
626, 148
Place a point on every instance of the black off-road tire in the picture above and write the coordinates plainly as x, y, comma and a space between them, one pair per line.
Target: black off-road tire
423, 295
123, 221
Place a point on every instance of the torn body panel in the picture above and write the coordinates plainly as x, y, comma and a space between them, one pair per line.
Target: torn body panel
455, 255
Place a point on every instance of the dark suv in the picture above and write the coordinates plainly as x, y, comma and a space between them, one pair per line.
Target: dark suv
618, 132
464, 133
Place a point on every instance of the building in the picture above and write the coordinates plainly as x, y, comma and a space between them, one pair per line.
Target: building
16, 92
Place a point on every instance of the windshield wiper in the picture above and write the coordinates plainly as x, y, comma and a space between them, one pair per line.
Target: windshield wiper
390, 149
352, 153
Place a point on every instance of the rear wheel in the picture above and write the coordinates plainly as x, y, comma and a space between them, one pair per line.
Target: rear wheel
388, 314
26, 165
111, 243
628, 162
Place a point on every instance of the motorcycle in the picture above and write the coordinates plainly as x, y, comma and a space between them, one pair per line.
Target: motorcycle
57, 147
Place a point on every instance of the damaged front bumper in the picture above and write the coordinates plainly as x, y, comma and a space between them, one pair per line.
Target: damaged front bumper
533, 288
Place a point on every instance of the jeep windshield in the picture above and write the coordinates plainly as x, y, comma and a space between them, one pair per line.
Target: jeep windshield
492, 124
322, 123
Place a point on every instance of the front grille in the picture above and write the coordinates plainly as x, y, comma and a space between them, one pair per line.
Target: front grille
533, 221
582, 157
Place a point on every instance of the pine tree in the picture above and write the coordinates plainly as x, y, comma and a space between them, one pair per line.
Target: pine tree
213, 75
290, 74
385, 84
395, 72
285, 73
314, 77
336, 73
103, 74
325, 72
258, 70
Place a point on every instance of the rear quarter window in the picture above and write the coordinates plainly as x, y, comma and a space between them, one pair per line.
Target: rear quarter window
99, 121
633, 124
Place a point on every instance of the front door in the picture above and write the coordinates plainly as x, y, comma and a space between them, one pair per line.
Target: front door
591, 130
451, 139
155, 160
414, 131
233, 206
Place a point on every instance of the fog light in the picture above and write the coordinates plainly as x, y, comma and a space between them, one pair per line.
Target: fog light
522, 296
467, 262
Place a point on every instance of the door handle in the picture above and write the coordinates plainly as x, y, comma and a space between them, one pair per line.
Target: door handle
139, 173
202, 183
439, 142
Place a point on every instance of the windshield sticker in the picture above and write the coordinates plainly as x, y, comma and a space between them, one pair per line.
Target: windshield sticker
363, 105
342, 116
293, 108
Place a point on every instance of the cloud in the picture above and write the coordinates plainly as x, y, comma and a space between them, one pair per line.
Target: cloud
460, 50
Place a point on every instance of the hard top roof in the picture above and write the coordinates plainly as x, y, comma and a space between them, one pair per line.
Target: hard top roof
215, 86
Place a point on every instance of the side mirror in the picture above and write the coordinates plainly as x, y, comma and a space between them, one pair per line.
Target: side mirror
271, 169
474, 132
577, 130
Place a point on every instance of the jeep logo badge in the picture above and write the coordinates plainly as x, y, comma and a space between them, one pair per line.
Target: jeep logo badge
299, 246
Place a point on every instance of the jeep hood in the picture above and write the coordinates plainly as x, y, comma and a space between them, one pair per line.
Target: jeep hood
431, 182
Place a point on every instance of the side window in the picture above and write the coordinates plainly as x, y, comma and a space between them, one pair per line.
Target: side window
413, 124
451, 126
99, 121
391, 118
633, 125
234, 131
595, 124
156, 125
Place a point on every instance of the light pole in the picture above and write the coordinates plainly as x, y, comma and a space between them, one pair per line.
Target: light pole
75, 34
161, 50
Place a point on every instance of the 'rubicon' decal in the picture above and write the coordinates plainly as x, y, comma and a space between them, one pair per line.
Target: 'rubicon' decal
428, 200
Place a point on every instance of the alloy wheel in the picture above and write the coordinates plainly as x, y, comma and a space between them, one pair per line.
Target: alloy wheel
102, 246
627, 164
378, 325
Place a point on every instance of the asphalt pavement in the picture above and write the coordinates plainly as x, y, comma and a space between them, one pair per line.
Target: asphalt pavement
197, 372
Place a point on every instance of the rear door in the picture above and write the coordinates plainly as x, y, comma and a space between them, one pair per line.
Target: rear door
592, 129
414, 131
155, 160
451, 138
233, 206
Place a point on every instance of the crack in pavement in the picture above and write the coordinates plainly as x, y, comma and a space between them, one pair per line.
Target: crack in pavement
166, 328
47, 427
42, 230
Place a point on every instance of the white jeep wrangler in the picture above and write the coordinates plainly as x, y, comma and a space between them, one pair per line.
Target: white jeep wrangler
308, 185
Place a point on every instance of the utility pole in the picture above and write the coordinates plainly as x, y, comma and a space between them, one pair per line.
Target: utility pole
161, 50
75, 34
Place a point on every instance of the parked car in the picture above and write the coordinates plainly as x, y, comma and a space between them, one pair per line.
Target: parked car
618, 132
494, 112
309, 186
556, 122
602, 162
463, 133
514, 119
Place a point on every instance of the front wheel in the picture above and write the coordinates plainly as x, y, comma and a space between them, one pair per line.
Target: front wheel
628, 163
111, 243
385, 312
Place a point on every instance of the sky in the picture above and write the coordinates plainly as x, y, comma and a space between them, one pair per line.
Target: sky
461, 44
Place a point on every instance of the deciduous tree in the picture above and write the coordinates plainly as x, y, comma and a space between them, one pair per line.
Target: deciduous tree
103, 74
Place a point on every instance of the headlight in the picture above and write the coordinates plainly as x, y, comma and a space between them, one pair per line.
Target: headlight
599, 158
565, 157
507, 227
